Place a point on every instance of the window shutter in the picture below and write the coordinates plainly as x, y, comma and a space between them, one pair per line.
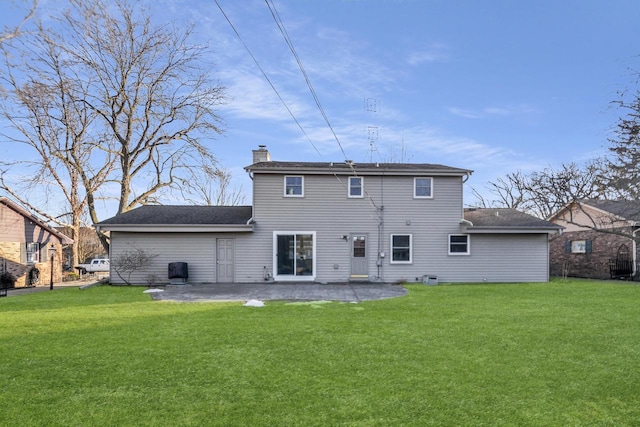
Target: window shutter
588, 246
567, 246
23, 253
43, 252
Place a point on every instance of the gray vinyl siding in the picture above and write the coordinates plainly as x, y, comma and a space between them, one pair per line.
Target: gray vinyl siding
500, 258
388, 207
196, 249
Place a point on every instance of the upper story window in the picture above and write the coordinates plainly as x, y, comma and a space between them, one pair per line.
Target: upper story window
459, 244
294, 186
356, 184
33, 252
423, 188
401, 249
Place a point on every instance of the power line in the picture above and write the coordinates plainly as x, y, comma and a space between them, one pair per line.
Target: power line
266, 77
283, 31
287, 39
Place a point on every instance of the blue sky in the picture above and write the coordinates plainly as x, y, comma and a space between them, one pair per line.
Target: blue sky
492, 86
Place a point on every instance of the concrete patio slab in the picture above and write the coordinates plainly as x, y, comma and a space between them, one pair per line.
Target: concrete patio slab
280, 292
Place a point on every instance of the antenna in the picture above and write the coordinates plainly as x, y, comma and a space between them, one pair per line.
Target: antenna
372, 134
371, 105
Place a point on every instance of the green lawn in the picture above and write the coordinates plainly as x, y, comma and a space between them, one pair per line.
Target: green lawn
566, 353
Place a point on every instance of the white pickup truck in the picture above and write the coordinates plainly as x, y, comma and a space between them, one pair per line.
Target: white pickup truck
95, 266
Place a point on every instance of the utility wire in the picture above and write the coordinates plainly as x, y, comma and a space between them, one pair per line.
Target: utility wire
287, 39
285, 34
267, 77
283, 30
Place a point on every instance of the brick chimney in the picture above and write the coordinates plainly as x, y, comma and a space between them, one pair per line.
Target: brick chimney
261, 154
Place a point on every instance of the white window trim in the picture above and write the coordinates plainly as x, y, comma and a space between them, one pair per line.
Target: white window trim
468, 252
415, 196
293, 278
579, 246
356, 196
391, 260
301, 183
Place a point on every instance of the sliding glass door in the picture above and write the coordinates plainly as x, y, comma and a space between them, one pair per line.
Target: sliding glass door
294, 255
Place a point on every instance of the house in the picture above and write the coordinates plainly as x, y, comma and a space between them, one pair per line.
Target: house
338, 222
599, 239
27, 244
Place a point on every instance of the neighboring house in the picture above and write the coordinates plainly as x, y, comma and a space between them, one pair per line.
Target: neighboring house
338, 222
26, 246
598, 239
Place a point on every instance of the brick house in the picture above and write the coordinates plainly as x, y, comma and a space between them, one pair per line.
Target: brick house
26, 246
599, 239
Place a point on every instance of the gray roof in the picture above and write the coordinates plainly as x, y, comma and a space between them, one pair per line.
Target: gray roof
506, 218
627, 209
182, 215
360, 168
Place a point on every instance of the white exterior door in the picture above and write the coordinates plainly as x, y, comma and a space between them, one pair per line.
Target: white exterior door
225, 263
359, 257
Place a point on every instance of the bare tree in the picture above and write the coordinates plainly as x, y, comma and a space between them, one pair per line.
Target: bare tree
509, 192
216, 191
543, 193
110, 103
624, 163
48, 120
9, 32
152, 92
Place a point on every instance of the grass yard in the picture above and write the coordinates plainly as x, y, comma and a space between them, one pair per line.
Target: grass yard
566, 353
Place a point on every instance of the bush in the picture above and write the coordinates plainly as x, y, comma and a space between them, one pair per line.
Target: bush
70, 277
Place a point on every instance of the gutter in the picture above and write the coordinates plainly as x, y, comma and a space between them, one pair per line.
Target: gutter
512, 230
178, 228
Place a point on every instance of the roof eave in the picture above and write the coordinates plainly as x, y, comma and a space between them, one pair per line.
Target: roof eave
363, 172
512, 230
178, 228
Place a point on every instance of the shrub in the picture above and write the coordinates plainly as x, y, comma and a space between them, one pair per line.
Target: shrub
69, 277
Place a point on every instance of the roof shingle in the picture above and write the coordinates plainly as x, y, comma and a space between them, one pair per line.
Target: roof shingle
183, 215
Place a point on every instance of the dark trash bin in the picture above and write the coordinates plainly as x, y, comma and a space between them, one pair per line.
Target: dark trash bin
178, 271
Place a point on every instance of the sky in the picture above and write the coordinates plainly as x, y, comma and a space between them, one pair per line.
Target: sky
493, 86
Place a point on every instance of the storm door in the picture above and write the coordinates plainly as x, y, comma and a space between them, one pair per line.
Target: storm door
224, 260
359, 257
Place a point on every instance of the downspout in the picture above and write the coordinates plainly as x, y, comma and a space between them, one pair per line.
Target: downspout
462, 220
635, 254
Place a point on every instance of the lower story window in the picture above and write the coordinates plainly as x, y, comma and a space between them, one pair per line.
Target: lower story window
401, 249
294, 255
578, 246
458, 244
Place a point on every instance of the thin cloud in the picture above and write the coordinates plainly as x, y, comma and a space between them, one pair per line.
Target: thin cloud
436, 52
489, 112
